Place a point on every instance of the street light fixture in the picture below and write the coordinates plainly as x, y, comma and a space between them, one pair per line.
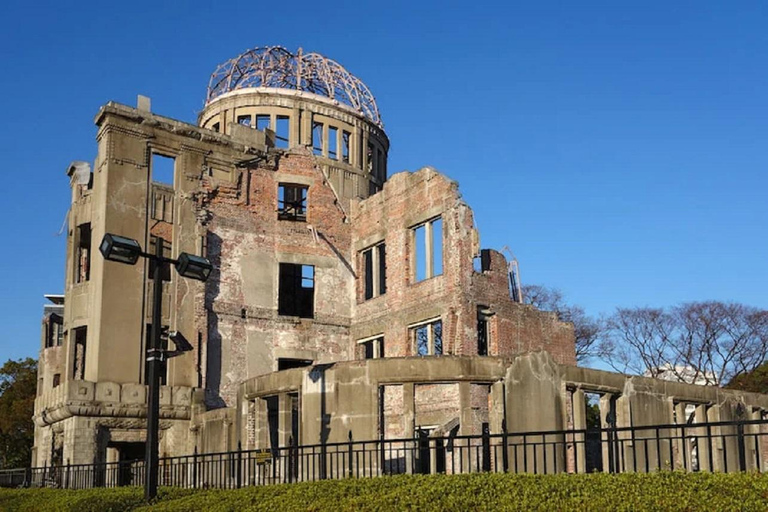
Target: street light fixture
120, 249
126, 250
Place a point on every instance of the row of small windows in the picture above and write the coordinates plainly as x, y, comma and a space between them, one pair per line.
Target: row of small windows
327, 140
426, 338
427, 242
281, 125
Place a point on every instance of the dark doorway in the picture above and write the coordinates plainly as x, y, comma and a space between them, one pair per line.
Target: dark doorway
425, 451
126, 454
593, 439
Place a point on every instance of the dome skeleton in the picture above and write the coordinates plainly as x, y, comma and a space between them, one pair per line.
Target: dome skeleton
276, 67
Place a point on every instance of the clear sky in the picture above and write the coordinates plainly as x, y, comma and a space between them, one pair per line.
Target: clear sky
619, 150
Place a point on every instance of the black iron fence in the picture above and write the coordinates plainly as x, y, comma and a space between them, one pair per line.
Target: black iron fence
721, 446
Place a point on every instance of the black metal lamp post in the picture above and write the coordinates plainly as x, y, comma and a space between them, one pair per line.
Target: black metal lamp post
126, 250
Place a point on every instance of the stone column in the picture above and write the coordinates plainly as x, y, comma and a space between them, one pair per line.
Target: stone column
579, 417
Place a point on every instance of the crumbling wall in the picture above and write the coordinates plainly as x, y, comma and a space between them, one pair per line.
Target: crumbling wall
407, 200
518, 328
246, 243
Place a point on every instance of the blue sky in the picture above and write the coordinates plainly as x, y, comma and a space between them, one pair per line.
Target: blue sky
619, 149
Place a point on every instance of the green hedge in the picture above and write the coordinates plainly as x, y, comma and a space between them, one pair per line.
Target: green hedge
627, 492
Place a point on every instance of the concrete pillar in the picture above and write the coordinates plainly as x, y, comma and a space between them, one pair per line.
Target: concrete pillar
681, 447
703, 444
624, 438
608, 441
295, 128
713, 415
579, 417
409, 422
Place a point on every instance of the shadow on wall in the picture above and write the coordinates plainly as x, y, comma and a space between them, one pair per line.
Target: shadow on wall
213, 399
318, 373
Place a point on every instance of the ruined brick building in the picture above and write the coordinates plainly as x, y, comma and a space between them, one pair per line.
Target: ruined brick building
343, 299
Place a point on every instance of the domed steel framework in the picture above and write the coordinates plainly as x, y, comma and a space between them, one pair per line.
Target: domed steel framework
274, 66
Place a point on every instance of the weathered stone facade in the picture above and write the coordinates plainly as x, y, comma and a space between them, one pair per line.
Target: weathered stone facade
320, 261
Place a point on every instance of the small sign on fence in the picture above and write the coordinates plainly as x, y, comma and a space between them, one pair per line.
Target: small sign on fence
262, 456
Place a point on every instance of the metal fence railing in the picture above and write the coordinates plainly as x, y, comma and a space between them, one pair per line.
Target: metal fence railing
721, 446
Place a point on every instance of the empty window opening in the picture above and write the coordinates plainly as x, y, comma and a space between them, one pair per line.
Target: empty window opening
244, 120
333, 134
375, 271
163, 367
282, 131
296, 295
56, 380
54, 332
262, 122
83, 270
317, 138
285, 363
81, 338
215, 127
163, 169
371, 154
167, 247
427, 338
483, 331
428, 249
372, 348
345, 135
381, 172
292, 202
273, 422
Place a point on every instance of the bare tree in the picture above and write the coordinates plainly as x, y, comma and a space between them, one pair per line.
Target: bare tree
587, 330
698, 342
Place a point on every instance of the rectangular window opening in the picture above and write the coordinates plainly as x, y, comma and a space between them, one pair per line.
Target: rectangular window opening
163, 169
216, 127
296, 294
427, 338
285, 363
371, 153
244, 120
56, 380
372, 348
317, 138
262, 122
375, 271
345, 135
483, 331
427, 242
81, 338
83, 272
333, 134
282, 131
54, 331
292, 202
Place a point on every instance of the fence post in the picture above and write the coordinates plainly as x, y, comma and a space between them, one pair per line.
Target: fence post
290, 459
742, 447
504, 441
349, 455
239, 469
66, 476
194, 468
27, 477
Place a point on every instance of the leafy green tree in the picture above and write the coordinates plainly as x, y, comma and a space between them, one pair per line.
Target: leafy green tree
18, 385
755, 381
